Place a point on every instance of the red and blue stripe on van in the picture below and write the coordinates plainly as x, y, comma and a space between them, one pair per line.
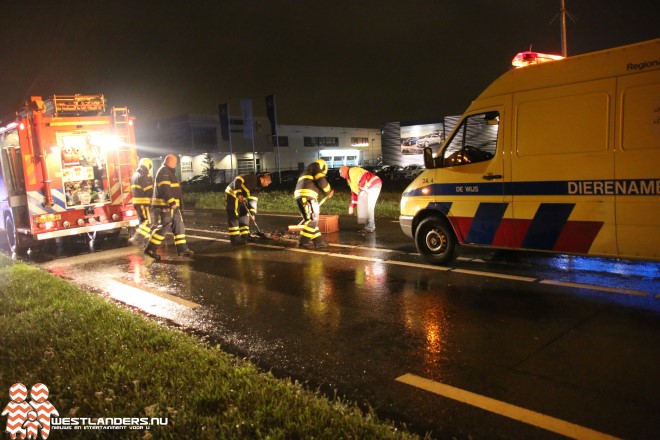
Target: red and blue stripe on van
550, 229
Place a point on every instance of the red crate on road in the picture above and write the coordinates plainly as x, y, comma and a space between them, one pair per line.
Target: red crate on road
328, 223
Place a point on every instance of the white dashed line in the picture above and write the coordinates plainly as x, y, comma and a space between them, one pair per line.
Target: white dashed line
144, 298
601, 288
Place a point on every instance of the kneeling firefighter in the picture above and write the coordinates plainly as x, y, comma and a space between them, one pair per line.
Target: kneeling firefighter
241, 197
310, 183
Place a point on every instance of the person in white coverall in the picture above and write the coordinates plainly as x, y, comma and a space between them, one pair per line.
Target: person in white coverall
365, 189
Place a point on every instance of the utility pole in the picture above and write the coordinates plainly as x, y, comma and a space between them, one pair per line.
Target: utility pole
564, 14
564, 49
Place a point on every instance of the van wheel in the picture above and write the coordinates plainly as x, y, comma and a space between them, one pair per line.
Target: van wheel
435, 241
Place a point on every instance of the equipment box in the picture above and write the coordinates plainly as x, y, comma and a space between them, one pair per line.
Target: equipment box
328, 223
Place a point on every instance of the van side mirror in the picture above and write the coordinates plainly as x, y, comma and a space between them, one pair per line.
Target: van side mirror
429, 162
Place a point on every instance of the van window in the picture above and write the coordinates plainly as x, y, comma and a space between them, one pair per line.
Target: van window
641, 118
474, 141
563, 125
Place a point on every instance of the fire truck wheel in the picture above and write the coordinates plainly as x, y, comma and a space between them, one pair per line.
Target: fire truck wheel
436, 241
12, 235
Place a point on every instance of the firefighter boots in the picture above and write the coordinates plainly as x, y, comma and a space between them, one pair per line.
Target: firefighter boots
151, 252
138, 240
186, 253
237, 240
314, 244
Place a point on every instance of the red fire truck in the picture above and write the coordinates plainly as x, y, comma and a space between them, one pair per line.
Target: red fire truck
65, 169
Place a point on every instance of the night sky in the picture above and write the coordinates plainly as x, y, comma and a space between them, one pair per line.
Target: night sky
354, 63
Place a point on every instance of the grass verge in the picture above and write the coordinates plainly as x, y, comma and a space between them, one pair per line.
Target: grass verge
283, 202
99, 360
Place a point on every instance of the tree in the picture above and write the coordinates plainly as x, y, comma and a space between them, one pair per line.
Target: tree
210, 171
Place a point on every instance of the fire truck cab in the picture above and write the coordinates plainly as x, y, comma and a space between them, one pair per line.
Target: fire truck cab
65, 169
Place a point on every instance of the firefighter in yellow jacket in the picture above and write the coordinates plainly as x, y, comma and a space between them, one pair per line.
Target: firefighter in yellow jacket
167, 199
241, 197
142, 187
311, 182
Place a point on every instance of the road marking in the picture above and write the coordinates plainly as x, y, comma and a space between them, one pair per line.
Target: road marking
348, 246
418, 265
356, 257
306, 251
129, 295
495, 275
514, 412
201, 237
442, 268
338, 245
594, 287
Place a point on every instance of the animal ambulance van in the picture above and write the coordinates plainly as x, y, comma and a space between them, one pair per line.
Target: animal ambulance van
560, 156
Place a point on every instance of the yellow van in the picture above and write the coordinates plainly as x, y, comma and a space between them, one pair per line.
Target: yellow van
562, 156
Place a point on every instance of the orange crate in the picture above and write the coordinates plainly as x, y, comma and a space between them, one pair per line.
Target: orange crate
328, 223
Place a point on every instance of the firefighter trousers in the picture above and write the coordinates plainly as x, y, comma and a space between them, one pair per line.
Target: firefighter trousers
238, 220
310, 210
146, 222
171, 221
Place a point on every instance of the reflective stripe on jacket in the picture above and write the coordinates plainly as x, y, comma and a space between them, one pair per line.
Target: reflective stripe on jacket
167, 191
249, 186
312, 180
142, 186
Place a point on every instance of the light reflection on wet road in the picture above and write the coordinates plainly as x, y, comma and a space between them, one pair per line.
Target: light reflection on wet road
353, 319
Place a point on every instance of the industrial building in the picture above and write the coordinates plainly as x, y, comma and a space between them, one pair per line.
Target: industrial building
242, 150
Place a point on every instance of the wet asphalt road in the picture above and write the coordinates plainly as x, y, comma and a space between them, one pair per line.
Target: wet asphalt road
571, 338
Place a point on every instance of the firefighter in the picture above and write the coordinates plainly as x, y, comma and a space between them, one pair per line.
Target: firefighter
241, 197
142, 187
167, 199
310, 183
365, 189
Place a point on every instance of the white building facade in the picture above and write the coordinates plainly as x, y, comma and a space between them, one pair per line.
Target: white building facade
193, 137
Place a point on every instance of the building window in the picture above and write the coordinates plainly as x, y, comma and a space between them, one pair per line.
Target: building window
247, 166
282, 141
205, 137
315, 141
359, 142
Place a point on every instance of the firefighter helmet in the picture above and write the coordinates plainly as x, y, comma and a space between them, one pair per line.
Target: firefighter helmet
322, 166
145, 162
